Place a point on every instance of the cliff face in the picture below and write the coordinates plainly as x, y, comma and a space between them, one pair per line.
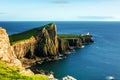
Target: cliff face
75, 43
6, 51
25, 48
86, 39
66, 45
38, 42
63, 46
45, 43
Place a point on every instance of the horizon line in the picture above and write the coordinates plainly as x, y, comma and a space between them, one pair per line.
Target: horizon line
63, 21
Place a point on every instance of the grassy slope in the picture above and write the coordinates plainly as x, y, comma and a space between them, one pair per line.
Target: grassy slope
31, 33
26, 35
68, 36
11, 73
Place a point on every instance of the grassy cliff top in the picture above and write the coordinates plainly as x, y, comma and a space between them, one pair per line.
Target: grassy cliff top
33, 32
68, 36
73, 36
11, 73
26, 34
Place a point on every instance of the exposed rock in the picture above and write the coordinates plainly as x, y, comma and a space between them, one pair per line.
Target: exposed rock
44, 43
6, 51
75, 43
68, 78
86, 39
63, 46
25, 48
47, 42
26, 72
51, 77
5, 47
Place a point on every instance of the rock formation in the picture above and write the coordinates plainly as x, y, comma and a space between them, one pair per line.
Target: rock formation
8, 55
43, 42
38, 42
25, 48
46, 43
6, 51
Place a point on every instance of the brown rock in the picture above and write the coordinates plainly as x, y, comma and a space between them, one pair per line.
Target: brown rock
6, 51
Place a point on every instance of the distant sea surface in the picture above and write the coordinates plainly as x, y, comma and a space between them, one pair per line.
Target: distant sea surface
94, 61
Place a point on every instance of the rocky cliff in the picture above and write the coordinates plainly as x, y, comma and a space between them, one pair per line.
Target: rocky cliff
44, 42
47, 42
38, 42
68, 42
6, 51
67, 45
25, 48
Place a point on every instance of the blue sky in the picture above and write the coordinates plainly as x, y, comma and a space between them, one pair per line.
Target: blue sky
59, 10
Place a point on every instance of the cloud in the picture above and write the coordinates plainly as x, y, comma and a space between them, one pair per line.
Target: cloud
2, 13
60, 2
95, 17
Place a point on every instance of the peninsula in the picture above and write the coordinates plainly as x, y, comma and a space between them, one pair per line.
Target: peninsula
38, 44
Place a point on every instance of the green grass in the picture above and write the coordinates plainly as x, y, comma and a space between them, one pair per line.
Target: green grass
73, 36
26, 34
68, 36
11, 73
33, 32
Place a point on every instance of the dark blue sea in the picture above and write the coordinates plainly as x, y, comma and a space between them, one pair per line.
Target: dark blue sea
94, 61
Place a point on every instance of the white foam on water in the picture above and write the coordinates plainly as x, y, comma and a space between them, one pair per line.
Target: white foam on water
83, 46
110, 78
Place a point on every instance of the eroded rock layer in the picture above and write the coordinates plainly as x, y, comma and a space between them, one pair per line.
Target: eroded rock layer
44, 42
6, 51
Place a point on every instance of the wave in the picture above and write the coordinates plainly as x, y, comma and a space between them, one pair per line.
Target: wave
83, 46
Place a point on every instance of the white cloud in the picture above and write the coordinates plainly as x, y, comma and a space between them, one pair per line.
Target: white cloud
2, 13
60, 2
95, 17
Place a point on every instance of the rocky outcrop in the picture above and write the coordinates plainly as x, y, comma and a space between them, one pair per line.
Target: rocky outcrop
8, 55
25, 48
75, 43
46, 43
63, 46
86, 39
6, 51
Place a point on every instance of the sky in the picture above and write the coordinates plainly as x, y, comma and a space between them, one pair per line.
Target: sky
59, 10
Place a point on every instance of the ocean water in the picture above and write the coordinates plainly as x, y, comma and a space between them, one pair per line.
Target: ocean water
94, 61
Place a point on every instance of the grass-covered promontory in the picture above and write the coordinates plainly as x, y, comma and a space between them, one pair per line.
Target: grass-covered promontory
26, 34
33, 32
68, 36
12, 73
74, 36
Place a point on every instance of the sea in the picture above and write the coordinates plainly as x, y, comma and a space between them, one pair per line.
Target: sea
95, 61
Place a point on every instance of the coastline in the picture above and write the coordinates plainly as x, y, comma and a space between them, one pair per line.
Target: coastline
40, 45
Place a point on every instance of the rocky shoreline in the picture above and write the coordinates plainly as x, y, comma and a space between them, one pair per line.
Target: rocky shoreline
38, 46
39, 60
